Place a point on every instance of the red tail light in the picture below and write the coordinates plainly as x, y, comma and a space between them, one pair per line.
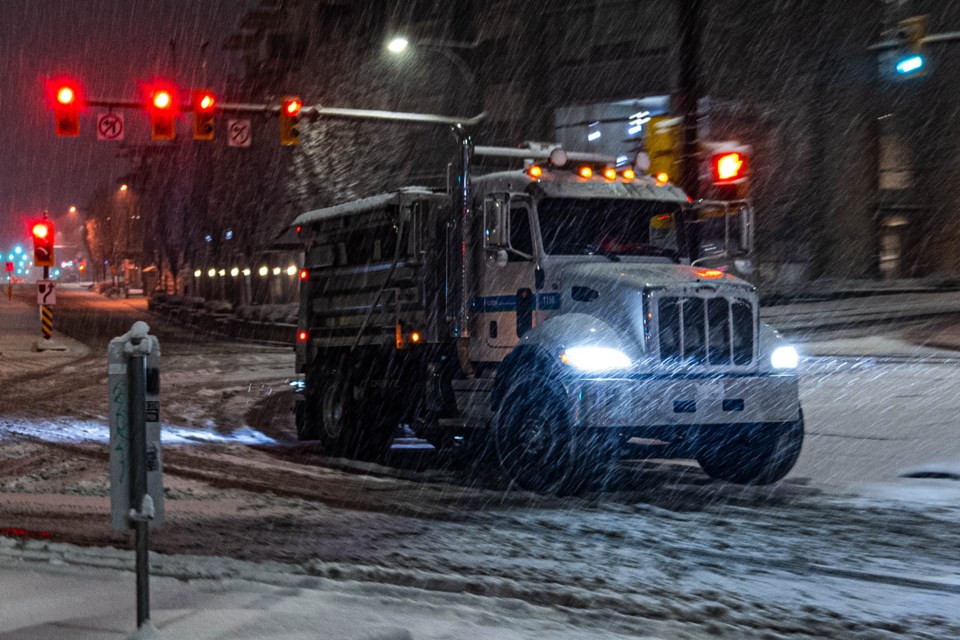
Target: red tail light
302, 336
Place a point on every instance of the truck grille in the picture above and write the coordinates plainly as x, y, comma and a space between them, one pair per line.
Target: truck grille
714, 331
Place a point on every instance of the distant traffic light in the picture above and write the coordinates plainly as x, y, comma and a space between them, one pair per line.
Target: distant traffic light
910, 57
66, 109
162, 108
43, 243
204, 106
290, 120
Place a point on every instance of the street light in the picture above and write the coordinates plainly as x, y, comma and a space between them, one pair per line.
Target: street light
398, 45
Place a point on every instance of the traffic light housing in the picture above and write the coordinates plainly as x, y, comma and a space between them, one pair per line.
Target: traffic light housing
204, 106
910, 60
290, 120
42, 243
66, 109
162, 108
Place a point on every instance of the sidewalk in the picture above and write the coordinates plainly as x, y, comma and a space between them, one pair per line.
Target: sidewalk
19, 333
55, 591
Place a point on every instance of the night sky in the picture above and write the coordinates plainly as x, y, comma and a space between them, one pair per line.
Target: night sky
112, 47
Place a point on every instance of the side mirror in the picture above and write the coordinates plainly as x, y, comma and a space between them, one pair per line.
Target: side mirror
494, 221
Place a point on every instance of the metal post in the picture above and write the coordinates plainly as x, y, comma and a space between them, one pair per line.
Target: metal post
46, 313
464, 237
138, 476
688, 92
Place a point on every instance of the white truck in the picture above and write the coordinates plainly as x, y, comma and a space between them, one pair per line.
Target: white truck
554, 316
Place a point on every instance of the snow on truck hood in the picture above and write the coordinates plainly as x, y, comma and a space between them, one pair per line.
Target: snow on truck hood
637, 276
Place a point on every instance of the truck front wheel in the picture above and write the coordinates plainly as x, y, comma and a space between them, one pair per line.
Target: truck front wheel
751, 454
538, 445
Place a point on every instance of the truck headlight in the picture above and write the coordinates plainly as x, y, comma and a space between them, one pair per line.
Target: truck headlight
595, 358
784, 358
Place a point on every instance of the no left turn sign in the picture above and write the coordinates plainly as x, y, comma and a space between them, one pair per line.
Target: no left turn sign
239, 133
110, 126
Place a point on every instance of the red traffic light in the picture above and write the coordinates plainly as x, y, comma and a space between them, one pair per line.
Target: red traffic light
65, 96
162, 105
204, 107
204, 101
729, 167
291, 106
162, 99
42, 243
41, 230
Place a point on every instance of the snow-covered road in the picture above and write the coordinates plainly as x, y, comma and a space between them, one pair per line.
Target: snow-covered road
844, 548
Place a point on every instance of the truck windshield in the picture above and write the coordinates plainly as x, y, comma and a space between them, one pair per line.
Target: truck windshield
612, 228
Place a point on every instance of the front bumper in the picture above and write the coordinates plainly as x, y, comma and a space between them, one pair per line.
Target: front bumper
684, 401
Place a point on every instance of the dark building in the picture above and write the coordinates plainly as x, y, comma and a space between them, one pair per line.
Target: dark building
854, 172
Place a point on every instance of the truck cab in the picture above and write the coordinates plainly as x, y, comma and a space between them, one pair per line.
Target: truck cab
581, 313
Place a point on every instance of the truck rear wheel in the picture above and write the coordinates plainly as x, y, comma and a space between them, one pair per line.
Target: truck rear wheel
537, 444
352, 426
751, 454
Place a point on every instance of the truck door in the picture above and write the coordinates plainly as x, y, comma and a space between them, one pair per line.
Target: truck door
505, 302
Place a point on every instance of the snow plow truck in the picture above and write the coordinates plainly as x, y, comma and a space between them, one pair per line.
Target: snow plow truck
551, 317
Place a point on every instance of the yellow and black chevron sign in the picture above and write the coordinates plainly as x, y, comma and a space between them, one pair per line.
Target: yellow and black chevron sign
46, 321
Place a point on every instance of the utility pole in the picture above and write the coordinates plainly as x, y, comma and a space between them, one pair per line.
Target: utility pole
689, 16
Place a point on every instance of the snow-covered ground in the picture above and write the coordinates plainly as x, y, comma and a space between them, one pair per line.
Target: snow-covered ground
267, 537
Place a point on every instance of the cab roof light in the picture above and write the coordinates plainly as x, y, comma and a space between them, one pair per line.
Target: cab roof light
662, 178
629, 174
610, 174
535, 171
585, 171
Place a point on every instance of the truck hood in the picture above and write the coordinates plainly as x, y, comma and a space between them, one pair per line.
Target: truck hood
618, 285
609, 276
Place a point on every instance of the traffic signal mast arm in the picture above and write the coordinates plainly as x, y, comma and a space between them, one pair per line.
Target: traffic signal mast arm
309, 112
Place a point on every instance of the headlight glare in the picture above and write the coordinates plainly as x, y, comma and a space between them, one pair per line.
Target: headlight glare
595, 358
784, 358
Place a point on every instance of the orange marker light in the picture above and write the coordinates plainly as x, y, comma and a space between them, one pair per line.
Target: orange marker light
610, 174
534, 171
414, 337
662, 178
709, 274
66, 95
586, 172
629, 174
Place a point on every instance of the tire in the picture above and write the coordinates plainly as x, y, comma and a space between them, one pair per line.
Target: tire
756, 454
537, 445
353, 424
